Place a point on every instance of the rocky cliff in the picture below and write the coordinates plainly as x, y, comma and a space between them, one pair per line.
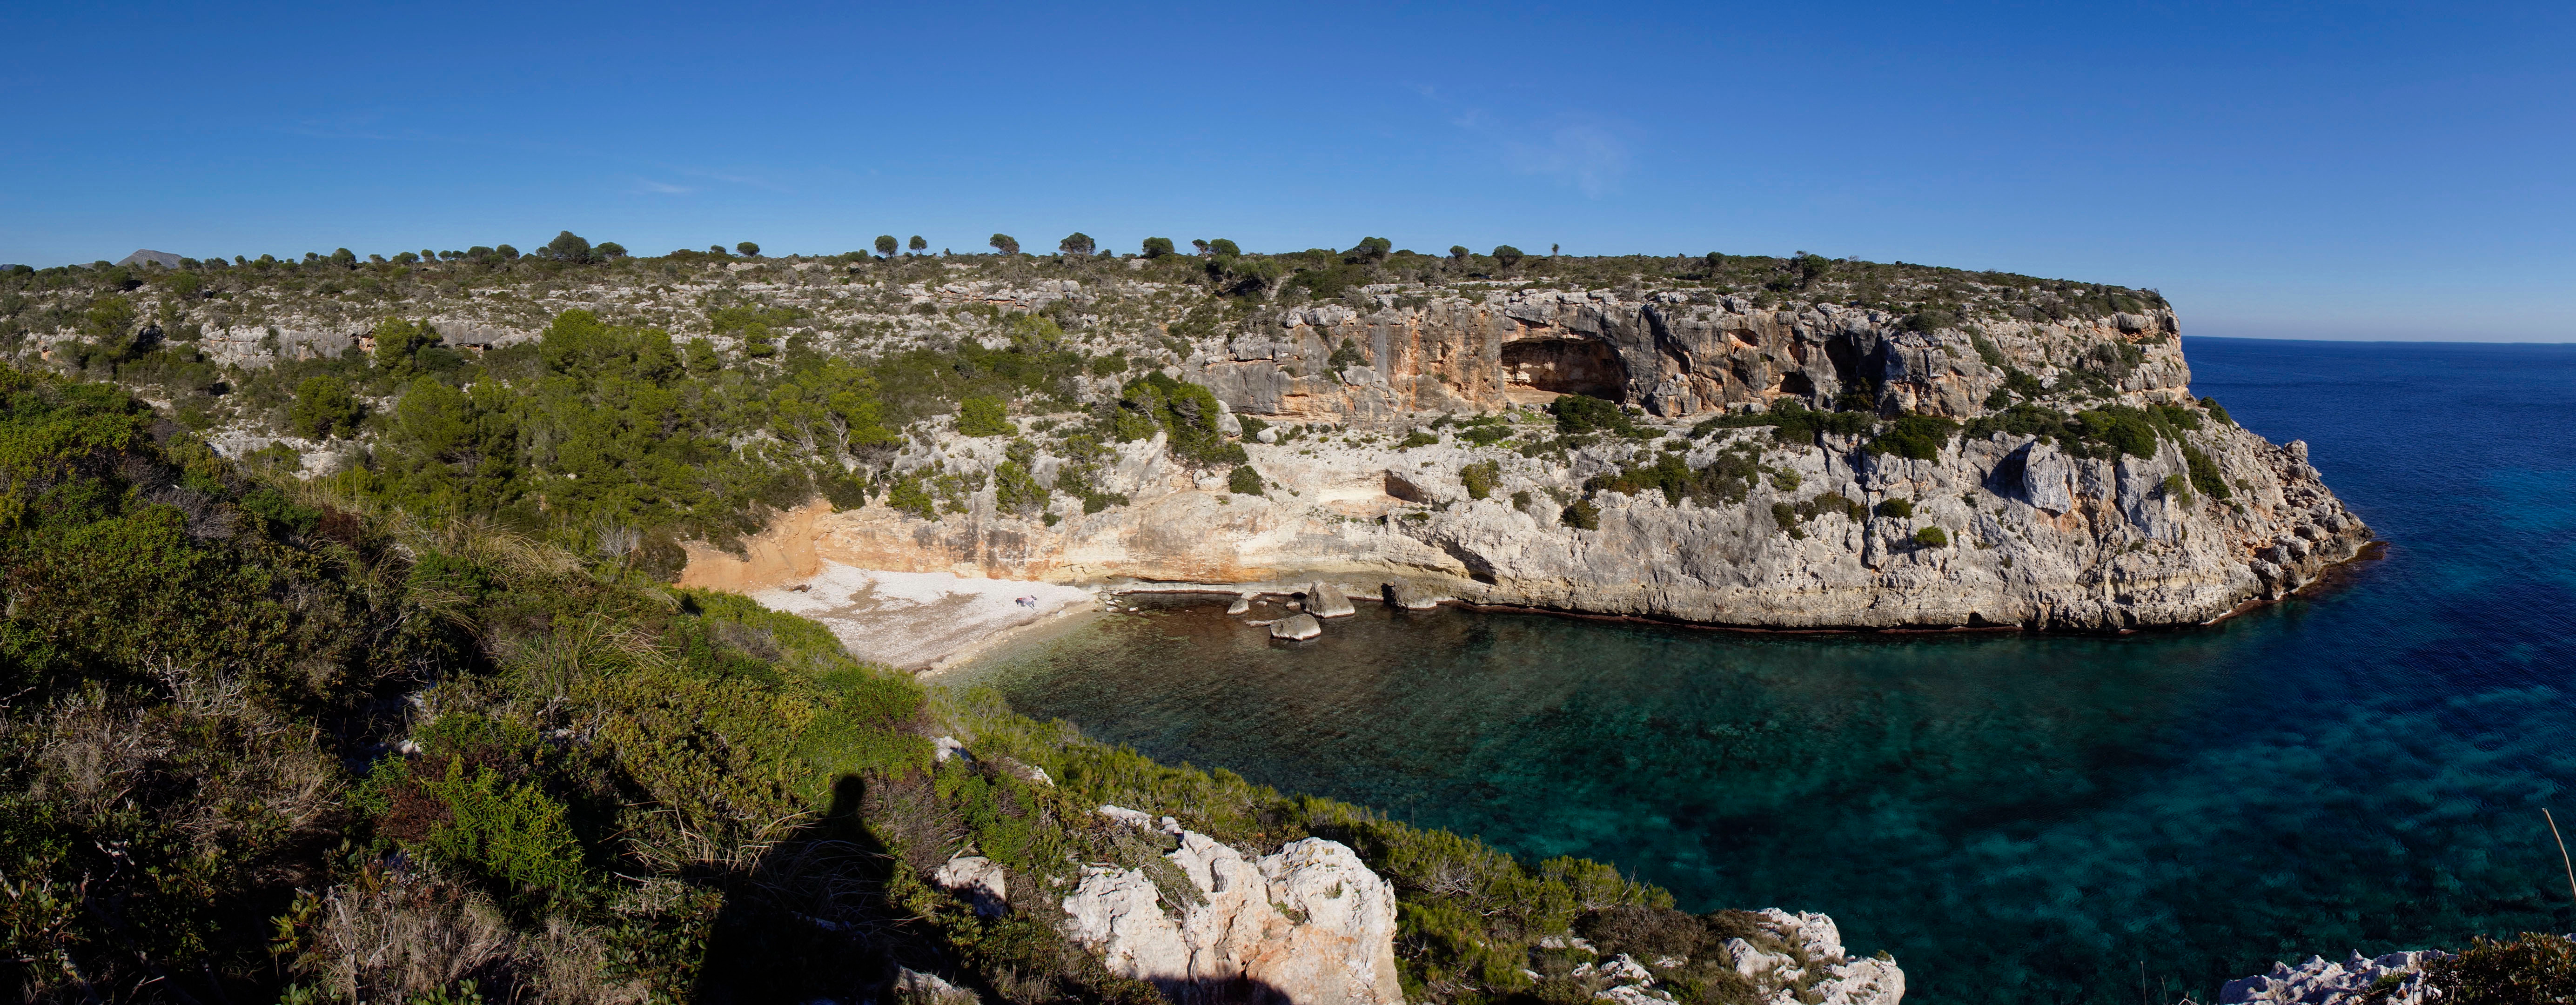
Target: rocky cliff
2034, 528
1796, 443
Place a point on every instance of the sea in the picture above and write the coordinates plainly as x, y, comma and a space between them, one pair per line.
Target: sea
2015, 817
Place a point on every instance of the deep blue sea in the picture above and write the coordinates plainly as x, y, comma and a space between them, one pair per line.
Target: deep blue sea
2017, 818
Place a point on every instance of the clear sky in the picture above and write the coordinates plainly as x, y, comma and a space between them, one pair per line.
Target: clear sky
2283, 170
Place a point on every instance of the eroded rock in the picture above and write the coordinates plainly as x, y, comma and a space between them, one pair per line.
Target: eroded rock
1309, 924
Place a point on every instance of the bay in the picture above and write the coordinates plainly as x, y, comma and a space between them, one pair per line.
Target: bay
2017, 818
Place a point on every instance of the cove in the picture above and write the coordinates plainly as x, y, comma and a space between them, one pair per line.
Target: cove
2018, 818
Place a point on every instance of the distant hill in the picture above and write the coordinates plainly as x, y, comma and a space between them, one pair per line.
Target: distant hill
163, 259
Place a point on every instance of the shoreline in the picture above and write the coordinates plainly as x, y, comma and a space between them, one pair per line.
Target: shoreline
2333, 577
963, 611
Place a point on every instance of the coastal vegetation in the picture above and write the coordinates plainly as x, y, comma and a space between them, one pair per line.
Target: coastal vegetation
285, 740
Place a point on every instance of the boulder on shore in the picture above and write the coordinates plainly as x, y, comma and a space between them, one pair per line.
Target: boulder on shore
1408, 597
1326, 600
1299, 627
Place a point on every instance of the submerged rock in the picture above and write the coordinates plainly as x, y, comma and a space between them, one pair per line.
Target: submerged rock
1299, 627
1311, 923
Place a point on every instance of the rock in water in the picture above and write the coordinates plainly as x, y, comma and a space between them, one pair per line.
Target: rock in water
1241, 604
1407, 596
1326, 601
1299, 627
1309, 924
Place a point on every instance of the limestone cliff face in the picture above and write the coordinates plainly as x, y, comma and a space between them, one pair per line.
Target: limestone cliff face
1674, 353
2035, 537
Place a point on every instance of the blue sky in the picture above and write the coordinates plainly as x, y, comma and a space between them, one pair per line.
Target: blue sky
2286, 170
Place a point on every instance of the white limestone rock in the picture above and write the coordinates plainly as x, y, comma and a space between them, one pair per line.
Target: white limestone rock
1310, 924
2319, 982
976, 879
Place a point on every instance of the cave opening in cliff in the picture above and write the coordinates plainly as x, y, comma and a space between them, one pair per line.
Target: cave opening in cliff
1565, 366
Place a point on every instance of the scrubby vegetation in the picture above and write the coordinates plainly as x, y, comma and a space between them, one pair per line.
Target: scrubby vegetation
290, 741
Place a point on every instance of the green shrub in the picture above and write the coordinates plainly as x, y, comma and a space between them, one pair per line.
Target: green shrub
981, 417
1792, 422
1418, 438
324, 407
907, 495
1345, 356
1244, 481
1583, 515
1900, 509
1579, 413
2178, 488
2533, 968
1785, 516
1481, 478
2216, 411
1187, 412
2204, 473
1725, 479
1920, 437
512, 832
1932, 537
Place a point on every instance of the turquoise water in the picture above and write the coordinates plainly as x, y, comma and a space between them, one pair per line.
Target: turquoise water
2017, 818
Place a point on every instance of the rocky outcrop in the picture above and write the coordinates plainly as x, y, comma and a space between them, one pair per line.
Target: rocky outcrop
2319, 982
1789, 959
1308, 924
1810, 965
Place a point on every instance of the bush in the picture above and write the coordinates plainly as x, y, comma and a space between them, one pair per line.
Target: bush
1898, 509
1920, 437
1481, 478
1418, 438
323, 407
1932, 537
980, 417
1244, 481
2533, 968
1583, 515
2204, 473
1727, 478
1508, 255
1186, 412
1579, 413
2217, 412
1158, 247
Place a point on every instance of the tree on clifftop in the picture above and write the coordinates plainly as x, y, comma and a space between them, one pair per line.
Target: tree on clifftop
1076, 244
1005, 244
567, 247
748, 249
887, 245
918, 245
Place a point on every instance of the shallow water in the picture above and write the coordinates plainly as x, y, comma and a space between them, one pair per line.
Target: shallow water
2017, 818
